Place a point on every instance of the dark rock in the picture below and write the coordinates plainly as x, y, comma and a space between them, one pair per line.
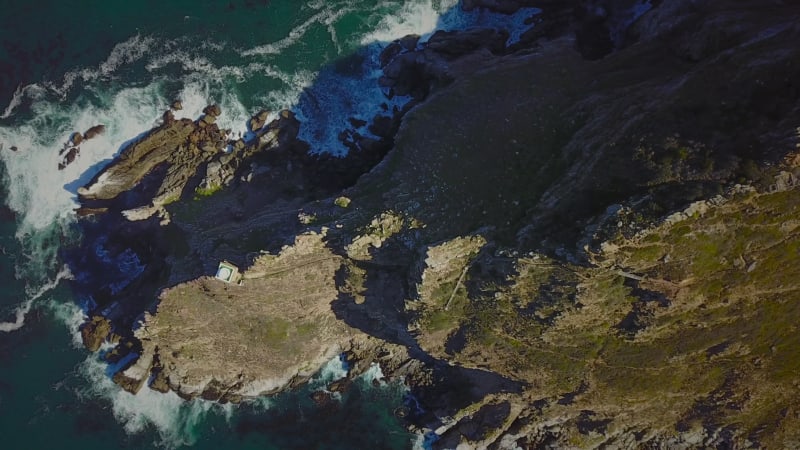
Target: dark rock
176, 105
168, 117
94, 131
389, 53
83, 212
340, 385
132, 385
75, 139
382, 126
322, 398
95, 332
69, 158
160, 383
409, 42
356, 123
212, 110
453, 44
258, 120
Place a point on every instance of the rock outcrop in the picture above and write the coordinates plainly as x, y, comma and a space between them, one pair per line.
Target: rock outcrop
251, 339
95, 332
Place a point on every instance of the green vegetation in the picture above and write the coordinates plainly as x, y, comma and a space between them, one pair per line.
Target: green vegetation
342, 202
206, 191
711, 324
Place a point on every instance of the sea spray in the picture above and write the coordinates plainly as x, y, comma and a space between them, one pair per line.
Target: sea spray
175, 419
333, 370
70, 315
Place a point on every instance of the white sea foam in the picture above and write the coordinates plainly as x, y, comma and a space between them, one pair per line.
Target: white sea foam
175, 419
71, 316
333, 370
199, 93
420, 17
373, 374
37, 190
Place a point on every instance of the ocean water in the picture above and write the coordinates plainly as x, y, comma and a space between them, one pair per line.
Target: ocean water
67, 65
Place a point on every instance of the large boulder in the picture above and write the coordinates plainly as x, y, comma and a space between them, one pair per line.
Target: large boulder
212, 110
258, 120
94, 131
95, 332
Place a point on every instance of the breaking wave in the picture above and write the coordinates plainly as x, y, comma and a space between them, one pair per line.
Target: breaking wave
175, 420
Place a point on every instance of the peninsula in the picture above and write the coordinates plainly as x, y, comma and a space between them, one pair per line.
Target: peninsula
586, 238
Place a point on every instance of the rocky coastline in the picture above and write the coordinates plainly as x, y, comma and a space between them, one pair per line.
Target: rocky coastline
518, 243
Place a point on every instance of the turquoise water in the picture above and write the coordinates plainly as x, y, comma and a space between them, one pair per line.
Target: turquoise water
71, 64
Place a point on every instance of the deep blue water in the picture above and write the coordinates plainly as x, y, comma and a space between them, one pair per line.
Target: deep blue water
70, 64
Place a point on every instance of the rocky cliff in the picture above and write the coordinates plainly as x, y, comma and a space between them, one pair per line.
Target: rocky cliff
565, 242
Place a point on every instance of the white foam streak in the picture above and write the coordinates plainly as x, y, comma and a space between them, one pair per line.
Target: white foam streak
32, 296
325, 17
19, 320
16, 100
125, 53
129, 51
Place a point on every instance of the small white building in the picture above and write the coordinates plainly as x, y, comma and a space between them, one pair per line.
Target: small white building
228, 272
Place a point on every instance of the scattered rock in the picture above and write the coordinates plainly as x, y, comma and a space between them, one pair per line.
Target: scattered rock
75, 139
93, 132
69, 157
176, 105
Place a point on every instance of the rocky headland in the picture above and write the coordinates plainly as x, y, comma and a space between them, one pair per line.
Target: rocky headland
585, 239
